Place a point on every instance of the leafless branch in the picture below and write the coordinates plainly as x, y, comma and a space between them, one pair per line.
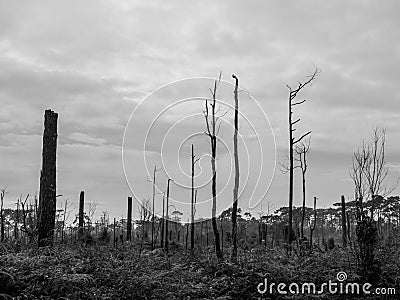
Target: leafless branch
297, 103
300, 138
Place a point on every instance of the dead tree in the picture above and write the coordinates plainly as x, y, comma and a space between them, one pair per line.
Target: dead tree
27, 225
312, 228
81, 214
64, 219
187, 234
348, 228
194, 161
236, 186
162, 223
153, 205
212, 132
292, 142
2, 194
167, 217
357, 175
376, 169
145, 215
16, 235
369, 171
360, 158
129, 224
47, 193
344, 227
115, 234
302, 151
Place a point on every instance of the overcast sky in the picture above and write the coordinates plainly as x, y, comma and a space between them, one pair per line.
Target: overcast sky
93, 62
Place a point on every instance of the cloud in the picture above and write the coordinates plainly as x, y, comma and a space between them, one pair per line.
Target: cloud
86, 139
93, 62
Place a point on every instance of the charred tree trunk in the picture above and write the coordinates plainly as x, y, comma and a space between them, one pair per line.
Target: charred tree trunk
207, 233
312, 228
129, 224
187, 234
167, 217
162, 223
303, 209
2, 194
344, 227
115, 235
291, 166
16, 235
222, 234
47, 194
192, 206
349, 227
64, 220
236, 187
153, 242
81, 214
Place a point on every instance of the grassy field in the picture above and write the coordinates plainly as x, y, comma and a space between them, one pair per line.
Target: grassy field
101, 272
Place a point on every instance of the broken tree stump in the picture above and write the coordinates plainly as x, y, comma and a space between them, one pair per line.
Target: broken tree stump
47, 190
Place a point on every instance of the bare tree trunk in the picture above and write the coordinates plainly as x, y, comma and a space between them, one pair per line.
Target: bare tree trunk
222, 234
236, 187
115, 235
292, 141
167, 216
348, 228
344, 229
153, 242
212, 133
192, 202
152, 219
303, 209
129, 224
187, 234
17, 220
47, 195
2, 194
162, 223
265, 229
207, 231
81, 214
64, 220
312, 228
291, 165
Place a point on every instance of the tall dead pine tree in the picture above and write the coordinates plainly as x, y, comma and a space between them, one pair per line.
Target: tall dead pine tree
47, 193
212, 131
167, 217
292, 142
236, 187
162, 222
194, 160
129, 224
